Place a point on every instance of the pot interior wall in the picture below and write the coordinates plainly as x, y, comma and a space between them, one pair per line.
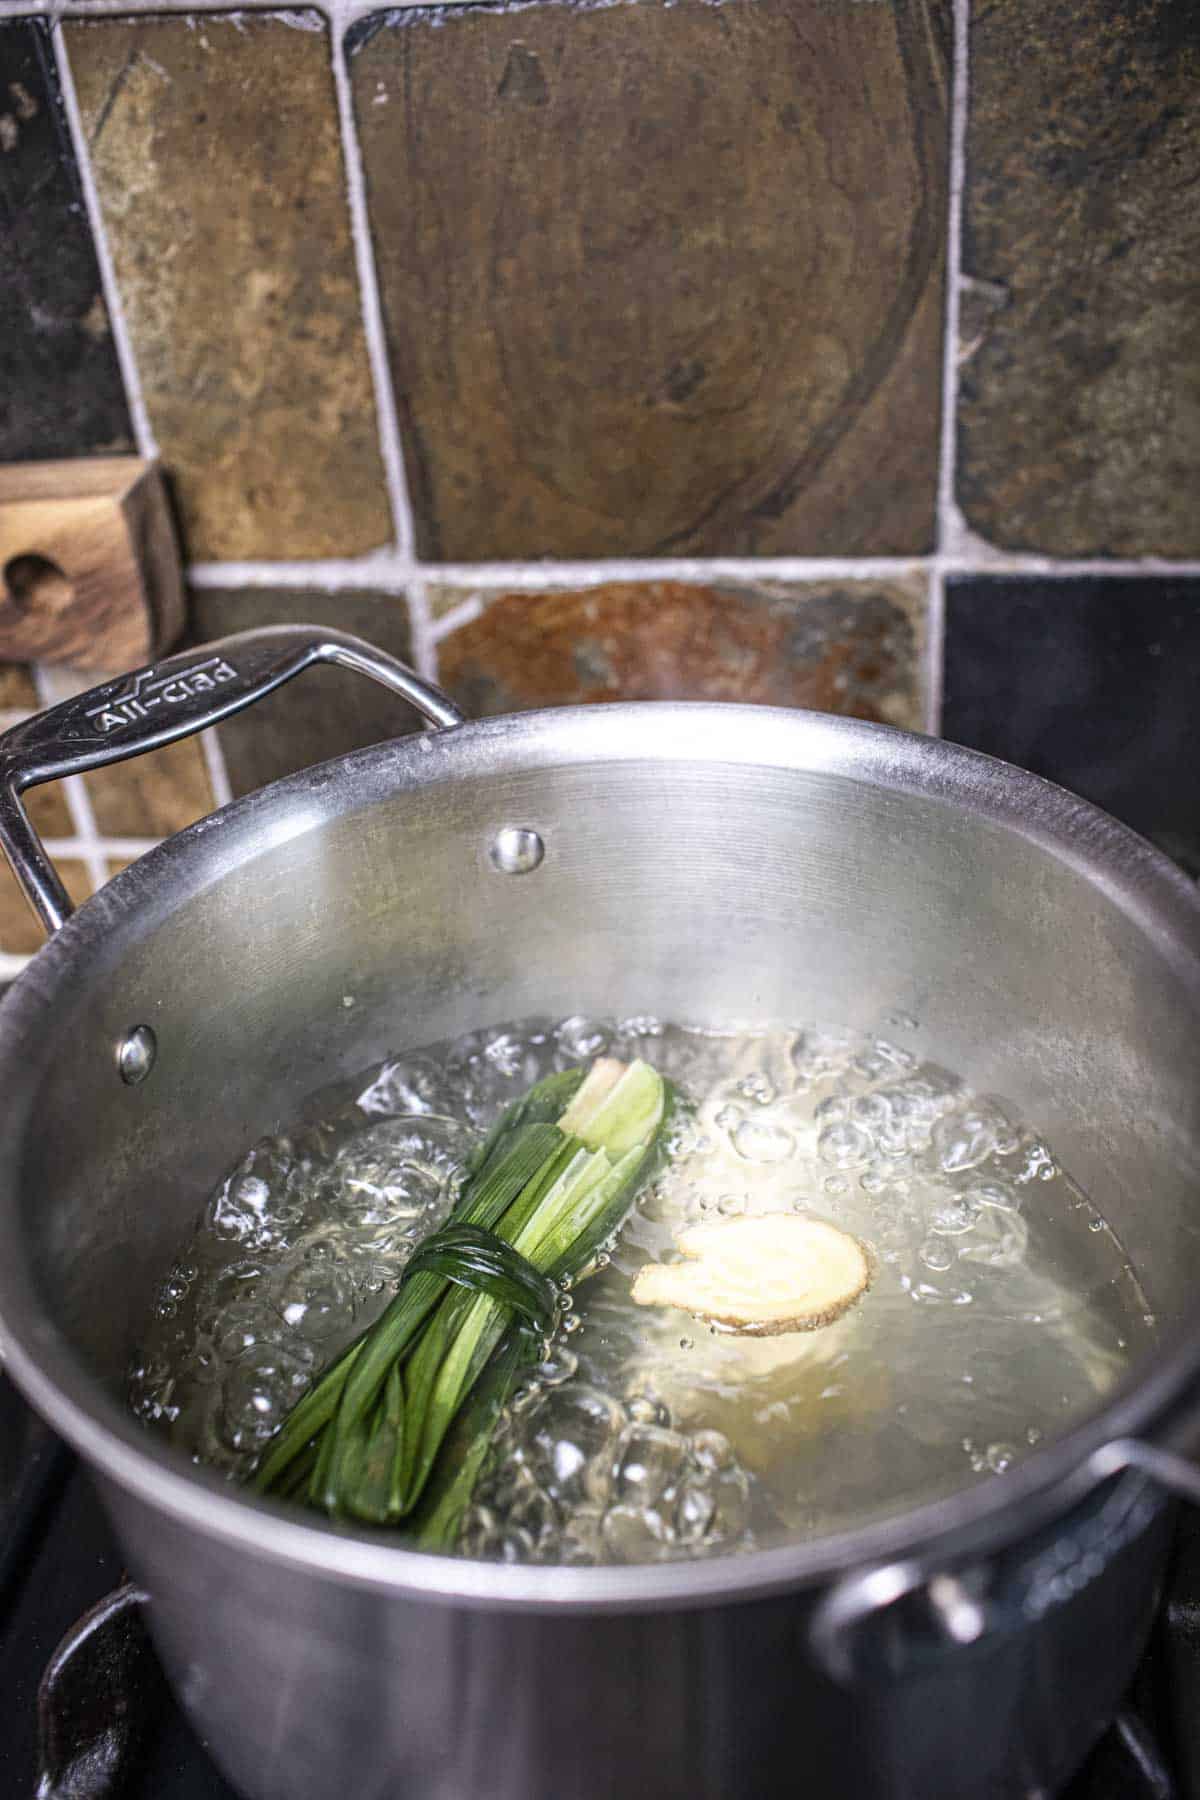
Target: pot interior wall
698, 890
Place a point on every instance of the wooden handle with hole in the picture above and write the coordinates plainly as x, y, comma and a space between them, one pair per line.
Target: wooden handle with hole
89, 566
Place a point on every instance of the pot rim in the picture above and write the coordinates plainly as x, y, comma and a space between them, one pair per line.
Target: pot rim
965, 1522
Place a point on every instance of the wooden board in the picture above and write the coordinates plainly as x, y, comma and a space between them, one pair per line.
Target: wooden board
89, 566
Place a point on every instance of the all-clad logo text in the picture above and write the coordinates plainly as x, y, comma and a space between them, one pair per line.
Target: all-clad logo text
143, 697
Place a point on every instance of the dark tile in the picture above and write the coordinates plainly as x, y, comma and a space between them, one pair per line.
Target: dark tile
20, 933
217, 156
661, 278
1079, 419
153, 795
837, 648
322, 713
1091, 683
58, 370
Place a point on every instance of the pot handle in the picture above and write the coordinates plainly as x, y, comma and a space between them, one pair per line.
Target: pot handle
160, 703
959, 1612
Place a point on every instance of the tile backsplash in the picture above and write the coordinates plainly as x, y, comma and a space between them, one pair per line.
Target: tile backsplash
824, 353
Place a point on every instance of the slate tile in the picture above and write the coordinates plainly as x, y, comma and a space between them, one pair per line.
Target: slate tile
153, 795
20, 933
322, 713
843, 648
1079, 416
59, 375
1089, 682
217, 157
661, 279
17, 692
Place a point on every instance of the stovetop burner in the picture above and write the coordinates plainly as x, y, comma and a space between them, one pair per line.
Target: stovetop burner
88, 1716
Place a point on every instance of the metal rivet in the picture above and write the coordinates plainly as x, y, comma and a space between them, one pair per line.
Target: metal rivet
516, 850
136, 1054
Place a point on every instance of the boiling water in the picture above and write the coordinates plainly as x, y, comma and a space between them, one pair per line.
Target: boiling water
1000, 1306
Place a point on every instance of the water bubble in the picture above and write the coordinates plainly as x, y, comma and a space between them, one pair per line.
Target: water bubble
561, 1366
315, 1306
954, 1216
632, 1535
649, 1460
936, 1254
572, 1443
963, 1141
871, 1110
1035, 1163
412, 1084
759, 1142
832, 1110
711, 1449
844, 1146
258, 1394
730, 1205
1000, 1457
580, 1038
836, 1185
643, 1409
999, 1240
1096, 1224
695, 1512
731, 1494
757, 1087
729, 1118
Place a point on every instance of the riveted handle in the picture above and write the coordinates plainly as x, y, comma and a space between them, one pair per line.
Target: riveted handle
158, 704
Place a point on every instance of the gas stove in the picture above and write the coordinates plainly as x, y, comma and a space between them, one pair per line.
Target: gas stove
88, 1715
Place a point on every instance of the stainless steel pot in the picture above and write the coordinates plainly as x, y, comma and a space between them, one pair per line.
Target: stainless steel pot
734, 863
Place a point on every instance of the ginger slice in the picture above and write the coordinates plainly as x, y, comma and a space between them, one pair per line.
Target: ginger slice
761, 1275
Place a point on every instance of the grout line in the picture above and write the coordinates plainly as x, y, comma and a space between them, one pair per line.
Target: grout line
1070, 568
218, 773
369, 296
122, 342
463, 614
424, 641
934, 658
129, 848
79, 803
949, 522
391, 574
348, 10
387, 574
549, 574
381, 572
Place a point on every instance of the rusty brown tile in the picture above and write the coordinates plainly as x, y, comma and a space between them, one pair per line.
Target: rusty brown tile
845, 648
17, 692
153, 795
216, 150
324, 712
20, 932
1079, 417
661, 279
48, 811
